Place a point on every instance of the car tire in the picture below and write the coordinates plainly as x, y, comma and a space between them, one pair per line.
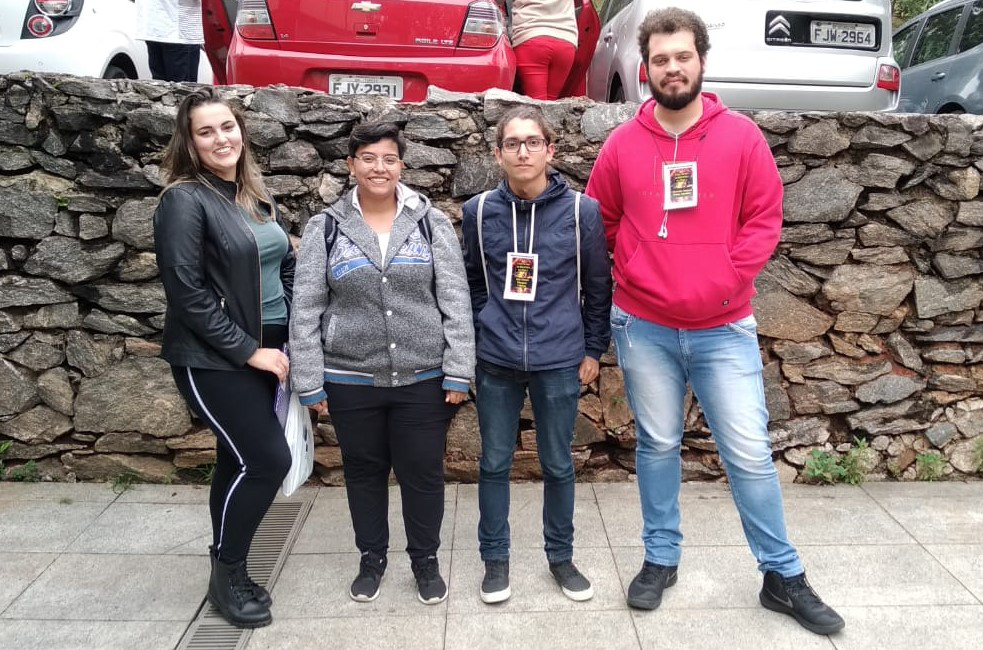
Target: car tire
115, 72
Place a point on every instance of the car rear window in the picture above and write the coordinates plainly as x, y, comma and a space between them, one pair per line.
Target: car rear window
937, 36
903, 42
973, 32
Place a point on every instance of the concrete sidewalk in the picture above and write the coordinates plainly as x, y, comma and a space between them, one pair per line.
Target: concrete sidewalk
83, 567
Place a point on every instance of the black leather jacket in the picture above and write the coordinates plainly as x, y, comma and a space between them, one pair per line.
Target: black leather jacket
209, 264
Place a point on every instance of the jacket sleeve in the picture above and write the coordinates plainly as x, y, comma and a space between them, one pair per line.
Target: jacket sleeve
179, 241
454, 302
605, 187
595, 274
473, 264
310, 299
760, 220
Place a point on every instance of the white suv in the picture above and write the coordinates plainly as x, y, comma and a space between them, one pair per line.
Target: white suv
89, 38
795, 55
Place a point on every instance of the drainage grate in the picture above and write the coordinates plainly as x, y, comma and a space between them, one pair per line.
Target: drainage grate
273, 541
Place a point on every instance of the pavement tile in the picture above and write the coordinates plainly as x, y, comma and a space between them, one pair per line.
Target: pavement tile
85, 635
165, 494
710, 577
17, 571
63, 521
923, 489
851, 518
77, 492
533, 586
733, 629
925, 628
496, 630
872, 576
708, 517
964, 561
402, 632
148, 528
115, 588
328, 528
938, 520
316, 586
526, 520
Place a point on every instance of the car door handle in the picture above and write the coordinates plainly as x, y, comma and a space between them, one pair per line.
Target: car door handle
608, 37
938, 76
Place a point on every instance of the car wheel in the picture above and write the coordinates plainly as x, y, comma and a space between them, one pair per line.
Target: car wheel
114, 72
617, 93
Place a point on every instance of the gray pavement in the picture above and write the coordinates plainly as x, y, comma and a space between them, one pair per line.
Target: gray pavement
82, 567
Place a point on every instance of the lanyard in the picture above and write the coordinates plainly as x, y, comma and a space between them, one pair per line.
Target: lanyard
515, 229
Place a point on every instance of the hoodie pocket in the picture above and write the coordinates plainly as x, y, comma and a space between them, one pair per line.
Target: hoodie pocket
688, 282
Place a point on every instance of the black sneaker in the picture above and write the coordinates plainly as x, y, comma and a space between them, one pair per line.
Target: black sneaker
365, 587
794, 596
573, 583
645, 590
431, 588
495, 586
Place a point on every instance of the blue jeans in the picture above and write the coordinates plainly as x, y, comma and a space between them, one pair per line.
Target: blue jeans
723, 365
554, 395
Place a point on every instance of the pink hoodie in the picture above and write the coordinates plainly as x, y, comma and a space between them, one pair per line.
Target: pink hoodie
701, 274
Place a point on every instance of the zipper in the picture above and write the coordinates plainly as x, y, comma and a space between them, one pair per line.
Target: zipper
259, 269
221, 304
525, 327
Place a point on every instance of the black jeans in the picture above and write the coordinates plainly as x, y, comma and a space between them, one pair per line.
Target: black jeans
173, 61
403, 429
252, 456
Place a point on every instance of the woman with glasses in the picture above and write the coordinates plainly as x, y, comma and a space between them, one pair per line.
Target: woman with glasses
381, 338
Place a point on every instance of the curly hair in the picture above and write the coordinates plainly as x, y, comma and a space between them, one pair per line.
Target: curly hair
669, 21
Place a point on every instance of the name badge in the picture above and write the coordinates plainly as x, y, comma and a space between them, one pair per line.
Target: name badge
521, 275
679, 185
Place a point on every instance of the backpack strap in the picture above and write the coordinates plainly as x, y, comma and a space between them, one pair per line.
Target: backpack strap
330, 234
481, 242
576, 225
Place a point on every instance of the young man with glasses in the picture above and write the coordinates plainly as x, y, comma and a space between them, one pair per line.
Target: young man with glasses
692, 205
540, 292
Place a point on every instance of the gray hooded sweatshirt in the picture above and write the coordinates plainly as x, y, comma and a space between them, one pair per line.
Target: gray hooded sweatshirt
394, 320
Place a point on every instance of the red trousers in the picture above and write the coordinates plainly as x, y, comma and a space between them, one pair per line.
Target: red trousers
543, 64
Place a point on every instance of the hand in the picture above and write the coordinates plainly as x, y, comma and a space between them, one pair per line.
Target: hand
455, 397
270, 360
321, 408
589, 369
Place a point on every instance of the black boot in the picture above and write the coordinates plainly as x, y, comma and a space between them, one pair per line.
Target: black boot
229, 592
259, 592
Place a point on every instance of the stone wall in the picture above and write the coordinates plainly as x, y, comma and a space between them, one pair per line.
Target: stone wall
870, 312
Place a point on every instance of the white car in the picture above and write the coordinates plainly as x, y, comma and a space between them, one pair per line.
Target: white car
794, 55
90, 38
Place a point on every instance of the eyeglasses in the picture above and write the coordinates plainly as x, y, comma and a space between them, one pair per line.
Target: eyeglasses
371, 159
533, 145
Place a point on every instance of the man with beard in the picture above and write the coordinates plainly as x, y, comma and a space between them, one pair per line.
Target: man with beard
692, 207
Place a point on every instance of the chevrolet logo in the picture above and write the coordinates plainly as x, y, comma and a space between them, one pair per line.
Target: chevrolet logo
366, 5
779, 26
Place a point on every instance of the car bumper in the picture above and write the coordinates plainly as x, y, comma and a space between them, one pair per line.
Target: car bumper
257, 66
804, 98
53, 54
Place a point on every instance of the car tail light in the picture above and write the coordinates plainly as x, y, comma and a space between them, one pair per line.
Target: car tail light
888, 77
53, 7
483, 26
40, 26
643, 75
253, 20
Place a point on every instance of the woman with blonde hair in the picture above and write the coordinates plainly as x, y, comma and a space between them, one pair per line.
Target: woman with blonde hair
227, 267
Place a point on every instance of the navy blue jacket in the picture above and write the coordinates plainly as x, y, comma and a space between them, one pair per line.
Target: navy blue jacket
553, 331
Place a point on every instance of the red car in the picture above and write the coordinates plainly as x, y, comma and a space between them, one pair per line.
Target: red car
389, 47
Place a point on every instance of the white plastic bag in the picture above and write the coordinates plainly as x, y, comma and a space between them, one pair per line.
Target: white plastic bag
300, 439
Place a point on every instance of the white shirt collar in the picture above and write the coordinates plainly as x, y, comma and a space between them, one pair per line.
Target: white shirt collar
404, 197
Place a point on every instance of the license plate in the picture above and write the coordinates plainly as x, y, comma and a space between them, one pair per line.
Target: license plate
842, 34
340, 84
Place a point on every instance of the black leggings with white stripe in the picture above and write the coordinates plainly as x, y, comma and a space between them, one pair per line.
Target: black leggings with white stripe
252, 456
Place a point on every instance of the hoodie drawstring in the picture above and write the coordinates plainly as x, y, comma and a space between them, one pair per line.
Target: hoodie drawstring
664, 229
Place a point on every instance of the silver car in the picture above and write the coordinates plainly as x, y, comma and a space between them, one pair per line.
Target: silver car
941, 57
797, 55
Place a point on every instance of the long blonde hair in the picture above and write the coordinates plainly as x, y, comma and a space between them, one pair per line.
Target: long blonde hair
181, 163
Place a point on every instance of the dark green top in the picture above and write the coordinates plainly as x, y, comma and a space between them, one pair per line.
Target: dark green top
272, 243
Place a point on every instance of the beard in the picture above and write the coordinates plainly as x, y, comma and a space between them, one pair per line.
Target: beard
678, 100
